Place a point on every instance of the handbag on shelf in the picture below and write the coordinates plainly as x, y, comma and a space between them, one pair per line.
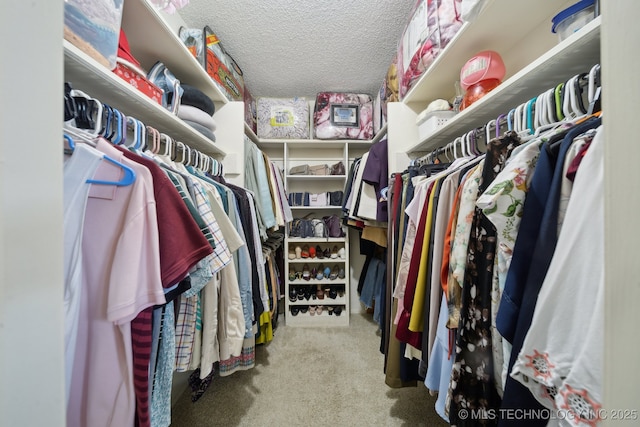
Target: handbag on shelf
298, 199
338, 169
318, 199
299, 170
319, 170
333, 226
335, 198
301, 227
319, 228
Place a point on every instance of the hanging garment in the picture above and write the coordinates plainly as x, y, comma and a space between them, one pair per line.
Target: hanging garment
472, 383
562, 354
78, 168
526, 275
122, 275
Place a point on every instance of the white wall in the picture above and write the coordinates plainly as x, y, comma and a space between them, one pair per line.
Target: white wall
31, 328
621, 85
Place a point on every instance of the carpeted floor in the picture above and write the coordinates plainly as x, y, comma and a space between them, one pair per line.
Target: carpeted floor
311, 377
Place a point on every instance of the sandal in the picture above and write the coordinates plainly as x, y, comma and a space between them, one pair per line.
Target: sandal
305, 251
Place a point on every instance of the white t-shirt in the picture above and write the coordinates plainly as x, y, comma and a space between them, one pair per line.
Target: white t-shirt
78, 168
562, 355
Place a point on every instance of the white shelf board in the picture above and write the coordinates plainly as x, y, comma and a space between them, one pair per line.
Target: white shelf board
313, 208
250, 133
312, 143
316, 177
86, 74
301, 282
306, 320
324, 301
152, 39
493, 29
317, 261
576, 54
315, 239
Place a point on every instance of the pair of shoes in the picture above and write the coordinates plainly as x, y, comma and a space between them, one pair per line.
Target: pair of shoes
334, 273
319, 292
312, 252
292, 254
306, 274
326, 253
315, 309
319, 252
342, 254
304, 253
293, 294
292, 274
294, 310
298, 252
337, 310
334, 252
320, 272
341, 273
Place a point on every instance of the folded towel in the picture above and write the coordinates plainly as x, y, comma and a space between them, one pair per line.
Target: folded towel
186, 112
203, 130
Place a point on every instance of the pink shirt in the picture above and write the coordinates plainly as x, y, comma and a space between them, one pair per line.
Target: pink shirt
121, 277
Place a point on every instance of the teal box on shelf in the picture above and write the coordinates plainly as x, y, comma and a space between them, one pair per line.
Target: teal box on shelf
93, 26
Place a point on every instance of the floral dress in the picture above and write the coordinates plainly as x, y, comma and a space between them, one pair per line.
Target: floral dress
472, 387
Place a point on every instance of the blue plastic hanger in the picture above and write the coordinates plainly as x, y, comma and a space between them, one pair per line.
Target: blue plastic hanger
129, 174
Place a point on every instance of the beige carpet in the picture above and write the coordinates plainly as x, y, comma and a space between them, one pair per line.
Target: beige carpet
311, 377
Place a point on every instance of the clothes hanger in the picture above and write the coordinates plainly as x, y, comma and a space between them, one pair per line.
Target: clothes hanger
155, 138
510, 119
558, 101
528, 124
129, 176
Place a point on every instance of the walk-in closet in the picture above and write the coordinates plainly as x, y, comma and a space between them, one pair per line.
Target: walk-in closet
315, 213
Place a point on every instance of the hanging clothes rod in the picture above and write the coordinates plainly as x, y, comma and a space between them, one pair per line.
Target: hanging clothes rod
98, 119
566, 101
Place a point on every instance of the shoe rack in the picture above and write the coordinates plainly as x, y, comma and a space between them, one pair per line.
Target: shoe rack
317, 268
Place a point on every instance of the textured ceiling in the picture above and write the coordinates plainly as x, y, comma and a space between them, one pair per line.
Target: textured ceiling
299, 48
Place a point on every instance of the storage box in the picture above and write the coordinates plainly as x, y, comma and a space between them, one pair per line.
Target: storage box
283, 118
220, 66
140, 82
432, 25
343, 116
430, 122
573, 18
250, 111
94, 27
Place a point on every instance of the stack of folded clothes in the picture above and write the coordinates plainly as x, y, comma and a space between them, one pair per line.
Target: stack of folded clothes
196, 109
